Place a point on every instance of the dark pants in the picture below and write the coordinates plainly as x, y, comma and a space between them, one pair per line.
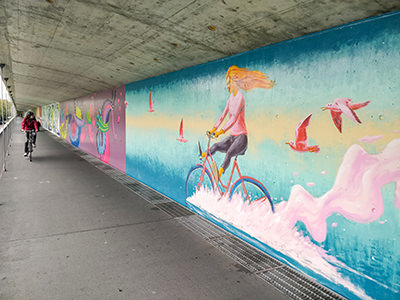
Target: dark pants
232, 146
27, 139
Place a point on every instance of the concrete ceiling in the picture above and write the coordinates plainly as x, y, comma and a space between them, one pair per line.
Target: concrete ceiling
56, 50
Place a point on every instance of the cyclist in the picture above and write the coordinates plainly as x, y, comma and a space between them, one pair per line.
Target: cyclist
237, 79
29, 123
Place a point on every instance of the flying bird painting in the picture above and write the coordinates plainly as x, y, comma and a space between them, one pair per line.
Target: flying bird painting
344, 106
151, 103
181, 139
300, 143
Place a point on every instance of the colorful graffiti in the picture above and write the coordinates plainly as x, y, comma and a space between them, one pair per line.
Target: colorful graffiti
50, 117
329, 201
96, 124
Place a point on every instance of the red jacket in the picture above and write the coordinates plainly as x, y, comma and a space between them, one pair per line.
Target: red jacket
29, 124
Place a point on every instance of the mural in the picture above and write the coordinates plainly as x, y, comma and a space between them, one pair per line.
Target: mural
50, 115
317, 141
96, 124
38, 112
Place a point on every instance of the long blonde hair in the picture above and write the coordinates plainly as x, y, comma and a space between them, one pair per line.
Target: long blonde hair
247, 80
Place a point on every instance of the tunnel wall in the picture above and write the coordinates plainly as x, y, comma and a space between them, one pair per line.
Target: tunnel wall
336, 216
96, 124
334, 192
50, 117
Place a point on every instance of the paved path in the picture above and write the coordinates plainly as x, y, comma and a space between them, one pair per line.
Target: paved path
69, 231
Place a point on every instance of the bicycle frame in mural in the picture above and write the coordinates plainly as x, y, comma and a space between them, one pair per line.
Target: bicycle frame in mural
254, 192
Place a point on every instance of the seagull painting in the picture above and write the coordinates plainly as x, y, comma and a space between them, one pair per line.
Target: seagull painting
150, 104
300, 144
181, 139
344, 106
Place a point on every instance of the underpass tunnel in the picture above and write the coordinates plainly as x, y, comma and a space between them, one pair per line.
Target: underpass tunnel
199, 150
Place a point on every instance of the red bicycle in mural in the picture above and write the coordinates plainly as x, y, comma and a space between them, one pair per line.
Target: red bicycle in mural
205, 175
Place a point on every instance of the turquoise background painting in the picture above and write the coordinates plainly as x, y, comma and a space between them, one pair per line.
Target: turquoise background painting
360, 61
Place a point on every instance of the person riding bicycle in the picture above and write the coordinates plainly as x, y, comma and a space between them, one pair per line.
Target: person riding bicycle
237, 79
29, 123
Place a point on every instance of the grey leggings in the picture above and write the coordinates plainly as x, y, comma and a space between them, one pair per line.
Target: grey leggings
232, 146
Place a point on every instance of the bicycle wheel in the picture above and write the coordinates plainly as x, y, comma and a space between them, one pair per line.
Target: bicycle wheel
252, 190
193, 180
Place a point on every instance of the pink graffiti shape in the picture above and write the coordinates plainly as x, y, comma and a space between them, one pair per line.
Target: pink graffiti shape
91, 134
323, 172
344, 105
83, 135
181, 139
106, 155
370, 139
310, 184
91, 126
334, 224
300, 144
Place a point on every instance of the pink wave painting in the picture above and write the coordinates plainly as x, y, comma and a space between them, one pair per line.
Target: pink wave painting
356, 195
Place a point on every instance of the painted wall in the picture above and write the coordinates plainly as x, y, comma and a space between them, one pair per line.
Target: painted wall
39, 112
335, 188
96, 124
50, 117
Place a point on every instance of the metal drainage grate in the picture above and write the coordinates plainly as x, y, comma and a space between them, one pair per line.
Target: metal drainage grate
297, 286
249, 257
122, 178
174, 209
133, 186
156, 199
105, 168
202, 227
142, 190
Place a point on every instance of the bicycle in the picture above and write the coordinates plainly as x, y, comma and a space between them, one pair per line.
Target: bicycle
205, 174
31, 134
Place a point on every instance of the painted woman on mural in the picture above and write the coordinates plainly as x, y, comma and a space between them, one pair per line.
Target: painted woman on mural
237, 79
